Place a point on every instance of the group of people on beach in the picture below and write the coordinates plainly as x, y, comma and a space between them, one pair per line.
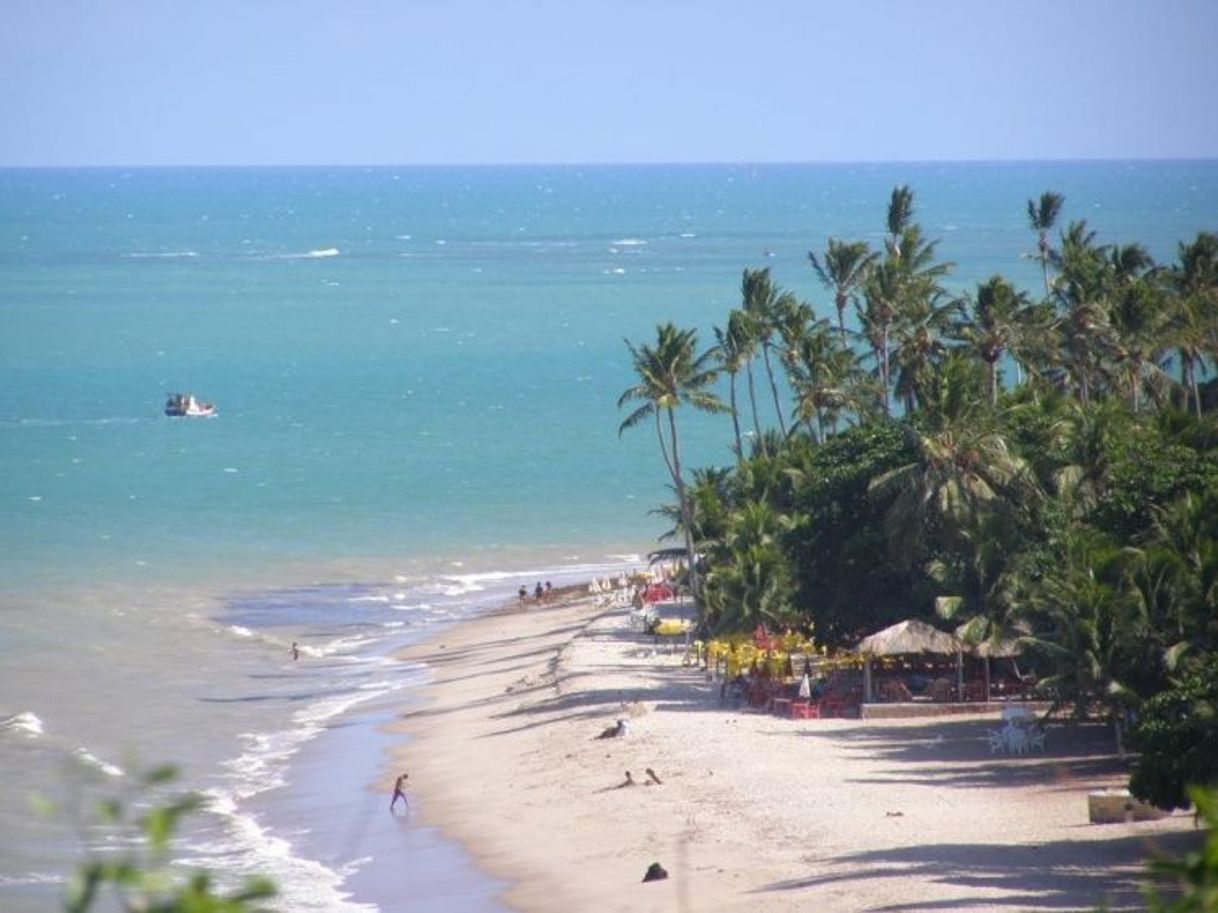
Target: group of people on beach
541, 594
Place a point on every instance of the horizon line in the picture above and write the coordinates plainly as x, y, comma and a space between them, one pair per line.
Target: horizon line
621, 164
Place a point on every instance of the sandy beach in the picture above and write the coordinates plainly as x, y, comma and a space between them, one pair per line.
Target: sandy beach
751, 811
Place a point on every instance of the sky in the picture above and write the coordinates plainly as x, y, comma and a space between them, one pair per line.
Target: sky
368, 82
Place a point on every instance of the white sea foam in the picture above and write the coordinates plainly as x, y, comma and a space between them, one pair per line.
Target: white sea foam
26, 878
320, 253
304, 884
629, 242
368, 599
240, 631
263, 764
411, 606
26, 723
161, 255
87, 757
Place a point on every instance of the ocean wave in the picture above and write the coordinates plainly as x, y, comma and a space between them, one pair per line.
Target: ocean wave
262, 766
160, 255
411, 607
28, 878
91, 760
321, 253
303, 884
25, 723
628, 242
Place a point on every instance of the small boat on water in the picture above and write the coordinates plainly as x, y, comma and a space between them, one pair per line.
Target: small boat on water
184, 405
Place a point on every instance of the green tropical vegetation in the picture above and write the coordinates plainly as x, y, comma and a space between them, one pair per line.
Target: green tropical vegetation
1039, 464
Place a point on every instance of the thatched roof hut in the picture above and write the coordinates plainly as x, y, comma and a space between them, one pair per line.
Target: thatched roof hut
910, 636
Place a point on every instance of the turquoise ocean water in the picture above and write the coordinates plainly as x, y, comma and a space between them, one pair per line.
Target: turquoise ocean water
416, 371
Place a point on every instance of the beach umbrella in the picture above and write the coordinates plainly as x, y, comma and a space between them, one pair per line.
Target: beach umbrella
910, 636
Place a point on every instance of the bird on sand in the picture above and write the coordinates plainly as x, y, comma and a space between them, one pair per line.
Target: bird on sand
651, 775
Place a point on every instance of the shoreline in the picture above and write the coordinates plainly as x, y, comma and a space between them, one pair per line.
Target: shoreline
753, 811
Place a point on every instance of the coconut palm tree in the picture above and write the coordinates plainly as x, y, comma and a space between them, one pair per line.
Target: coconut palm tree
751, 582
1089, 627
1193, 325
743, 330
963, 468
1042, 215
990, 324
1082, 293
670, 374
843, 270
823, 376
1139, 322
881, 305
900, 219
919, 349
761, 302
731, 349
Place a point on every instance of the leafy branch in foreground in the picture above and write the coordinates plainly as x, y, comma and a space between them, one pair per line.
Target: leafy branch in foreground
139, 877
1194, 876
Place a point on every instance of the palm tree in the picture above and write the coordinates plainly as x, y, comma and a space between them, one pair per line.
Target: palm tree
844, 269
964, 468
1139, 324
1194, 320
919, 350
761, 302
1042, 216
751, 582
1089, 627
1082, 293
900, 218
991, 324
742, 329
671, 374
823, 376
731, 349
881, 303
898, 291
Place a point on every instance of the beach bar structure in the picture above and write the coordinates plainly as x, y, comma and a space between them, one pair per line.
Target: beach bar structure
936, 658
906, 637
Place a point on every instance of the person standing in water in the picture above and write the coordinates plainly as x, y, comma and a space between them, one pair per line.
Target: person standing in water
295, 650
399, 792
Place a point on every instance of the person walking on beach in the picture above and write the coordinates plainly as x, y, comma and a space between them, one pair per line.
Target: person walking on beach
538, 592
523, 594
399, 792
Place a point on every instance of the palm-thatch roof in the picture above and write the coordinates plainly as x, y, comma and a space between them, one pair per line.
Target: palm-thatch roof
909, 636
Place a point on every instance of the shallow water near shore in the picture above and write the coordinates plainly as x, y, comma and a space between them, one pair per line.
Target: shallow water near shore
416, 372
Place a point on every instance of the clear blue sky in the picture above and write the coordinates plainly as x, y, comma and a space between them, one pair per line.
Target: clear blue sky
175, 82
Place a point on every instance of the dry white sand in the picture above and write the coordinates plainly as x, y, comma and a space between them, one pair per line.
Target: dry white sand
754, 812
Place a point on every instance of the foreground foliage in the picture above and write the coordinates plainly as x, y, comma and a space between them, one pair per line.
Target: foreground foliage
138, 877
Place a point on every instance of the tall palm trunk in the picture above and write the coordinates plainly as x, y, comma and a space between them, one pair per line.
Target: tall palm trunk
884, 370
992, 367
686, 514
765, 356
1044, 260
753, 402
841, 301
735, 417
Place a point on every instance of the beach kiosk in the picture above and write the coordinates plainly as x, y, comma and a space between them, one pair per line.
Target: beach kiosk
910, 636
